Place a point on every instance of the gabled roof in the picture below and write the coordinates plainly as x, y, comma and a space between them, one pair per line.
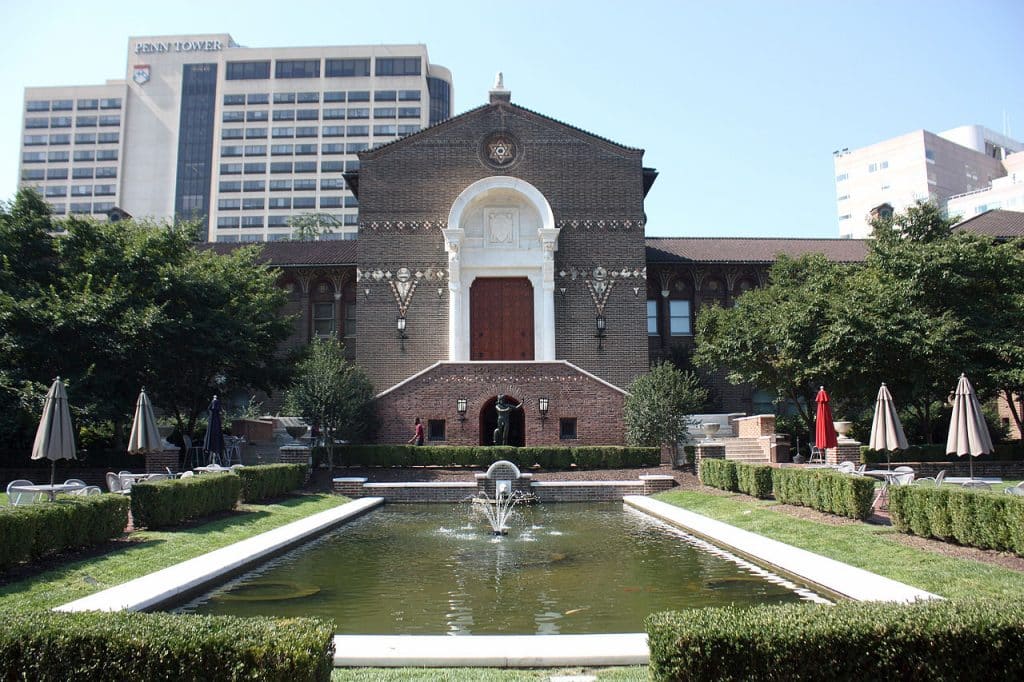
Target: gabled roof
297, 253
528, 113
995, 223
749, 250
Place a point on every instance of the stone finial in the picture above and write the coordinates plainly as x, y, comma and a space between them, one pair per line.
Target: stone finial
498, 92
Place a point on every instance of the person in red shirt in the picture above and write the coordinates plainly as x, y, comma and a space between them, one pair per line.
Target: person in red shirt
417, 437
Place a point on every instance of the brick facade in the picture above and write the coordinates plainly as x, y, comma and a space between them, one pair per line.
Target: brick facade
596, 406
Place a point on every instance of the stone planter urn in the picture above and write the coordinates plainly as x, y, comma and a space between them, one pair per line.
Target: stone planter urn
296, 431
710, 429
843, 428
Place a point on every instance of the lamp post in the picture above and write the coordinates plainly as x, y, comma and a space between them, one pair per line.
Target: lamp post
402, 336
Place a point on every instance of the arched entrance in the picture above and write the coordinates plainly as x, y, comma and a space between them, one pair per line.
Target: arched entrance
489, 422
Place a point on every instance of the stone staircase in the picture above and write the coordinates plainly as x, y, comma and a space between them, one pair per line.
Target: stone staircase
747, 450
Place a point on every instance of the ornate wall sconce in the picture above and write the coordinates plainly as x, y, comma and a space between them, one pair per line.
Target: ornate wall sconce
601, 326
542, 407
460, 407
366, 292
402, 336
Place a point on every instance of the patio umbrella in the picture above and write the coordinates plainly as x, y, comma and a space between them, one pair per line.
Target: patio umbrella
886, 430
145, 437
968, 433
824, 429
55, 438
213, 442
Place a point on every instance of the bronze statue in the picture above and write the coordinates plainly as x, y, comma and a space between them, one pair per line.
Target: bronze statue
504, 408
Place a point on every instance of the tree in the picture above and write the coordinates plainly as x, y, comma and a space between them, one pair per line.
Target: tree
113, 307
309, 226
657, 402
332, 394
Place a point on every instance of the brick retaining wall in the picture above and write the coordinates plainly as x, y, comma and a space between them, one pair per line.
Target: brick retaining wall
545, 491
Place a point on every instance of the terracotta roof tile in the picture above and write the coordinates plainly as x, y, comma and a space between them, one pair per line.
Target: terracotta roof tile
995, 223
749, 250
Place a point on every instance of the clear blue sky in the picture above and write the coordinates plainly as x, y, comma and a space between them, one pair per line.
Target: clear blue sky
739, 105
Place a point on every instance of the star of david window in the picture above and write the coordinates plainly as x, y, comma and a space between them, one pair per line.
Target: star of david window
500, 150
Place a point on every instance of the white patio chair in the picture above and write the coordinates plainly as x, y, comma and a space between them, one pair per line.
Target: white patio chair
21, 498
977, 485
157, 477
194, 454
1015, 490
935, 481
75, 481
846, 468
817, 456
114, 484
87, 490
188, 474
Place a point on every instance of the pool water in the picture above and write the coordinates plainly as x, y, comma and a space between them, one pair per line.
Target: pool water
436, 569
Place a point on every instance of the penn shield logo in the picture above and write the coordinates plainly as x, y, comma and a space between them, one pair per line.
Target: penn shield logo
140, 73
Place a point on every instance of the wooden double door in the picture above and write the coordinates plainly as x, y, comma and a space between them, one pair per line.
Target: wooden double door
501, 319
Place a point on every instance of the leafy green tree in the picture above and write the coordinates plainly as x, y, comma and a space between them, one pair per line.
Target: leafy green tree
309, 226
657, 403
333, 394
112, 307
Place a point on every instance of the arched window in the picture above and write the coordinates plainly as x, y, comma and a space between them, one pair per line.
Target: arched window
713, 292
323, 309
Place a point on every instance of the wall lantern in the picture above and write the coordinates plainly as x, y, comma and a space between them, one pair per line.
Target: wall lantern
460, 407
542, 407
402, 336
601, 326
366, 292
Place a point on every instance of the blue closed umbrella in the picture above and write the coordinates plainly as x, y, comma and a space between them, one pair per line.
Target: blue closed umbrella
213, 443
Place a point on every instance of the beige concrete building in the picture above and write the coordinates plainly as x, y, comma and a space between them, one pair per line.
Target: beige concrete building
917, 166
1006, 193
243, 139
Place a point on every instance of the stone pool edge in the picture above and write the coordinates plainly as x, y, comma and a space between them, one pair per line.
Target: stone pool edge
179, 579
834, 576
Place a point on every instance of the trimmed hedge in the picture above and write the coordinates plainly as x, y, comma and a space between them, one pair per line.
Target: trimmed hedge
160, 504
825, 490
34, 531
267, 481
936, 452
588, 457
988, 520
936, 640
719, 473
159, 646
754, 479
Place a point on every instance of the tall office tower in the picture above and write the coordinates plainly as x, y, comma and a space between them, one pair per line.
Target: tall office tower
917, 166
249, 141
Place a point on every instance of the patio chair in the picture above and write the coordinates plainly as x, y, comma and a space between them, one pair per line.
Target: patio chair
157, 477
1015, 490
87, 490
817, 456
75, 481
845, 468
233, 450
195, 456
934, 481
188, 474
861, 469
114, 484
977, 485
18, 498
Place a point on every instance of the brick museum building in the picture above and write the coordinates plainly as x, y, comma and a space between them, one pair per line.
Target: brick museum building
502, 252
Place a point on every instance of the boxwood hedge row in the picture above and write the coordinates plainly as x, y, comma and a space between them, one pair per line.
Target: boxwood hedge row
937, 640
594, 457
268, 481
988, 520
160, 504
32, 532
754, 479
719, 473
157, 646
826, 490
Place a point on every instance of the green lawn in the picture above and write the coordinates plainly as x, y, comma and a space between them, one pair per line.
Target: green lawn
153, 550
873, 548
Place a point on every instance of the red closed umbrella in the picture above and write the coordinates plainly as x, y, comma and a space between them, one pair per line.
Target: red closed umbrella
824, 429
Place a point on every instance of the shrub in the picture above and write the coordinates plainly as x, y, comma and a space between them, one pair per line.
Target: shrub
719, 473
161, 504
548, 457
270, 480
158, 646
936, 452
825, 490
32, 532
935, 640
754, 479
974, 518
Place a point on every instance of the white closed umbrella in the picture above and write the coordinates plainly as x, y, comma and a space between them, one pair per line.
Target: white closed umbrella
886, 429
968, 433
145, 436
55, 439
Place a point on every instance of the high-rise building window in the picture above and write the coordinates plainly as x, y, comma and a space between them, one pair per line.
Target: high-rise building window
239, 71
440, 99
397, 66
347, 68
297, 68
195, 141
